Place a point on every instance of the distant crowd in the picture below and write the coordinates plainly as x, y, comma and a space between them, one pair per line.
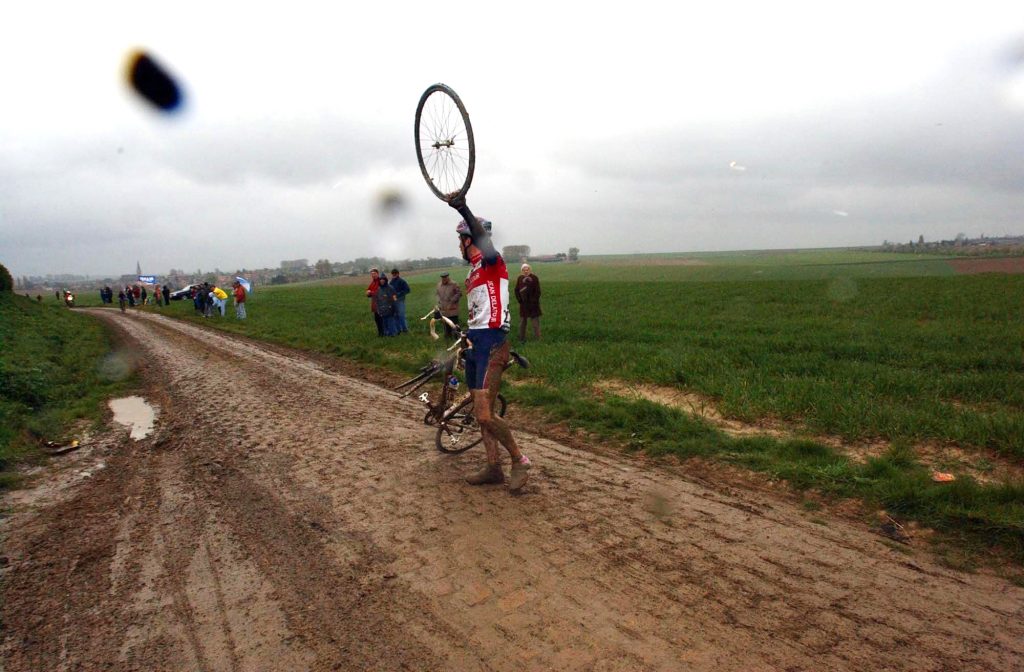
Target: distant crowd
136, 295
206, 298
209, 300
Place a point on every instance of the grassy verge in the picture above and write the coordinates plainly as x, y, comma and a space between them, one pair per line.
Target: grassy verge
51, 375
974, 516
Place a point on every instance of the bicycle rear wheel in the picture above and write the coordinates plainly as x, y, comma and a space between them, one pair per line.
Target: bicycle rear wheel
460, 431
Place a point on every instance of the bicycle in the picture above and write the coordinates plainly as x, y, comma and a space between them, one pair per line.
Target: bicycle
457, 428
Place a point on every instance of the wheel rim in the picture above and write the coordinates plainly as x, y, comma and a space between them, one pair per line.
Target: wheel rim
444, 142
457, 430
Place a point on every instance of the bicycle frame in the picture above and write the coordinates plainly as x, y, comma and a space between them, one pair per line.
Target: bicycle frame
447, 408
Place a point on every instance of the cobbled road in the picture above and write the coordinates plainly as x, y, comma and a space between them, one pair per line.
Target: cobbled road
287, 517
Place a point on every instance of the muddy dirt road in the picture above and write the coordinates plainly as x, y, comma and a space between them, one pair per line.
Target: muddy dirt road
287, 518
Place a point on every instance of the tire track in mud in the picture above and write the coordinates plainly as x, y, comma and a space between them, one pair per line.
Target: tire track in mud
340, 538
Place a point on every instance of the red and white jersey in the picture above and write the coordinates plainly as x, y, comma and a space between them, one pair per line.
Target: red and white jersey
487, 294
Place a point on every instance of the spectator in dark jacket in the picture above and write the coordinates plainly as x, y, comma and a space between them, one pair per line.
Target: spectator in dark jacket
528, 295
386, 300
167, 295
400, 287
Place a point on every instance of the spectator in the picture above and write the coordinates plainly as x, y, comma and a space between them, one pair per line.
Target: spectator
131, 295
219, 298
239, 292
386, 300
121, 298
528, 295
143, 295
448, 296
137, 295
207, 299
167, 295
401, 288
371, 291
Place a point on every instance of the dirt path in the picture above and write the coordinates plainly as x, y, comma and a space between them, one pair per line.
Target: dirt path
289, 518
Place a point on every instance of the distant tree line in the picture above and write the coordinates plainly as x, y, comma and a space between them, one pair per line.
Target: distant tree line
521, 253
961, 245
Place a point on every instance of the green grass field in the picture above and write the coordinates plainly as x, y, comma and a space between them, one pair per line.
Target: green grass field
855, 344
53, 372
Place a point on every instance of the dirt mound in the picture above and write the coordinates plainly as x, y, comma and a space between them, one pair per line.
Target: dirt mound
983, 465
975, 266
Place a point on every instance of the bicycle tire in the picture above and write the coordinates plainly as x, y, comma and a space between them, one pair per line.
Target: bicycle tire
460, 426
439, 149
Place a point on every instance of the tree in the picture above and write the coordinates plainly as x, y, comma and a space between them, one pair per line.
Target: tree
515, 252
920, 239
6, 281
574, 254
323, 268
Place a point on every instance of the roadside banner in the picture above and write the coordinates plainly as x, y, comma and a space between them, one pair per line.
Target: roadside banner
244, 283
148, 279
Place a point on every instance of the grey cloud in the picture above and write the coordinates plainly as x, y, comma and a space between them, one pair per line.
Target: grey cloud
294, 153
955, 132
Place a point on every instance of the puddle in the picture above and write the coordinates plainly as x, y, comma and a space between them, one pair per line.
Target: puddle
134, 412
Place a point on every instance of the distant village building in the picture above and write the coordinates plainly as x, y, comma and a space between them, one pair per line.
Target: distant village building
295, 265
546, 258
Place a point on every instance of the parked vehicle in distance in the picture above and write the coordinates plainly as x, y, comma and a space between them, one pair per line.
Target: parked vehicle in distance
183, 293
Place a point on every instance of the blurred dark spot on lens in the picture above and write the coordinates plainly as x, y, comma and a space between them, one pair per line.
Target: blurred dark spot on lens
152, 83
390, 202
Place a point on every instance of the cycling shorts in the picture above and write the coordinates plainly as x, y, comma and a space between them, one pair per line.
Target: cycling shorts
485, 342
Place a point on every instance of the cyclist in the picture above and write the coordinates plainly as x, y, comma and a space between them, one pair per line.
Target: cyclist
488, 326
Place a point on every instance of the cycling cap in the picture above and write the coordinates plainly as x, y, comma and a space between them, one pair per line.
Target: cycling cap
463, 229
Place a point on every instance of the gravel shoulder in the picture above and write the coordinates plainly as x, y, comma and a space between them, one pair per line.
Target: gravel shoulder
285, 516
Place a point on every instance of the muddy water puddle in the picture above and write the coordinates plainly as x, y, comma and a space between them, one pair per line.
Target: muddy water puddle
136, 413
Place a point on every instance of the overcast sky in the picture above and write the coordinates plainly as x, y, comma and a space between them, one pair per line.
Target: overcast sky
626, 127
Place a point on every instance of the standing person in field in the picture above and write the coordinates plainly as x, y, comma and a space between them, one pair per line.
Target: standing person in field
488, 326
448, 296
239, 293
386, 300
143, 295
121, 300
401, 288
528, 296
207, 299
167, 295
371, 291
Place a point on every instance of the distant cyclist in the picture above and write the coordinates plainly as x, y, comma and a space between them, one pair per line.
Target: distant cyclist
488, 326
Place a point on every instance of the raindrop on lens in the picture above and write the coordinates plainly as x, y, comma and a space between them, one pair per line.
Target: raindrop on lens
151, 81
